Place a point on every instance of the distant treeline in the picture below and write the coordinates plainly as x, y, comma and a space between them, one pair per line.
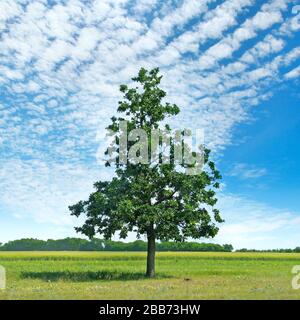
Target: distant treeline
77, 244
297, 249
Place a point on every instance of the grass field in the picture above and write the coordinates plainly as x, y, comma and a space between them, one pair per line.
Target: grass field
119, 275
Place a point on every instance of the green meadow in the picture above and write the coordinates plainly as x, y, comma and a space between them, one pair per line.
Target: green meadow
120, 275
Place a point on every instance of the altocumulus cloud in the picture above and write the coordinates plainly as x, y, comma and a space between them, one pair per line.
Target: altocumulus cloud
61, 63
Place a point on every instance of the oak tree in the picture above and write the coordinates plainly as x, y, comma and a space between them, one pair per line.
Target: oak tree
158, 198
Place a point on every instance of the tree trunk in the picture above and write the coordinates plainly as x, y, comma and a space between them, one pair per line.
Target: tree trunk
151, 255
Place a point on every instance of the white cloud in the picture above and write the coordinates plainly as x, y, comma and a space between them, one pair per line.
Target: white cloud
244, 171
43, 190
262, 20
61, 65
142, 7
295, 73
214, 23
250, 224
262, 49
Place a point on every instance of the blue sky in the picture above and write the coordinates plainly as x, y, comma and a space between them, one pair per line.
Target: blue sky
232, 66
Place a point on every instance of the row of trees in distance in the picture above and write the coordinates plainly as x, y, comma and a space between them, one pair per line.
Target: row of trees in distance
78, 244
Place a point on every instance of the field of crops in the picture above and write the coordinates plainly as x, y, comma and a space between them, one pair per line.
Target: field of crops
120, 275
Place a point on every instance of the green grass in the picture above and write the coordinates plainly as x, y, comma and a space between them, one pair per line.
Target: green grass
120, 275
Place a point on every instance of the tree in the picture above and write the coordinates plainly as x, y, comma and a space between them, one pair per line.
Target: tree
228, 247
156, 198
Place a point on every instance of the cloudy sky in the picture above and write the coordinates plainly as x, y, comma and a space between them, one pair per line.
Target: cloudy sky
232, 66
